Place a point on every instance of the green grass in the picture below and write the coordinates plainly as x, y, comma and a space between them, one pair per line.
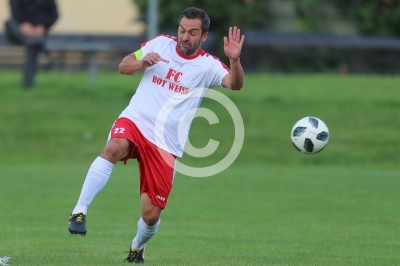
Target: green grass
256, 216
273, 206
56, 118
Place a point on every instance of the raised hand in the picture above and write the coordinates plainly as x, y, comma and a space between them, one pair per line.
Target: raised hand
233, 43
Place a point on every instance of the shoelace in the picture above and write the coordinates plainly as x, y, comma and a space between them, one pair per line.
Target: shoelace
79, 218
134, 255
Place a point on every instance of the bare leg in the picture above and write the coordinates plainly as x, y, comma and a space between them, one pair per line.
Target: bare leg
148, 224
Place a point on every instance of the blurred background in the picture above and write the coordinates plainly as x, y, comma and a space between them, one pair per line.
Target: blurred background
281, 35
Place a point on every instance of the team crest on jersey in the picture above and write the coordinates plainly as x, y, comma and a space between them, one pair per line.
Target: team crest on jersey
171, 81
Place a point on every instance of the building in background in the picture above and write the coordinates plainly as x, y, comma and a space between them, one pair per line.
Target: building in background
83, 27
91, 17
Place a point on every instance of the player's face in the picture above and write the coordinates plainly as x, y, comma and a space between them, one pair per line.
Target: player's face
190, 36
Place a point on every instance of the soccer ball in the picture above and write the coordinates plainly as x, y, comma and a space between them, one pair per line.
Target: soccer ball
309, 135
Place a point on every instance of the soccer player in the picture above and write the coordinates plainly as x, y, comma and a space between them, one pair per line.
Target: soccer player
177, 72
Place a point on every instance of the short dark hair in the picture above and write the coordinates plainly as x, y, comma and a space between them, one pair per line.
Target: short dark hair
194, 12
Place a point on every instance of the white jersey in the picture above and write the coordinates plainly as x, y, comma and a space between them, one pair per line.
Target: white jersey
170, 92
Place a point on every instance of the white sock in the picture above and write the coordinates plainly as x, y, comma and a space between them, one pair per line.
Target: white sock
96, 178
144, 233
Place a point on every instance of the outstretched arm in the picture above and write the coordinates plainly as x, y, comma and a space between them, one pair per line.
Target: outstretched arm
130, 65
233, 47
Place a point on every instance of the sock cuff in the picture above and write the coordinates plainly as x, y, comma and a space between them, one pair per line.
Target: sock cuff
142, 224
101, 163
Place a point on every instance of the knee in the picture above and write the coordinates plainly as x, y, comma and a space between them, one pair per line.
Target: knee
116, 150
150, 217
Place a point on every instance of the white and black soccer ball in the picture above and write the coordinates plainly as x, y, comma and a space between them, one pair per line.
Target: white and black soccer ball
309, 135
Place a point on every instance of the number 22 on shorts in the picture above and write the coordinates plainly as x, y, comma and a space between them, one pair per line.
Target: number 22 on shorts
119, 130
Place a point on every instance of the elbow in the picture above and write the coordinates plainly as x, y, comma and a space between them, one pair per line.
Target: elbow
236, 84
123, 69
236, 87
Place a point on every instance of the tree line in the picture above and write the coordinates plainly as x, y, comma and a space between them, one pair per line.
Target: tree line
370, 17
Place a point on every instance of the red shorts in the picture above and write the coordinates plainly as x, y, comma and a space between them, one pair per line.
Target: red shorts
156, 173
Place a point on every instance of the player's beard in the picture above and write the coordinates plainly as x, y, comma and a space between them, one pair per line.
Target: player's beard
191, 49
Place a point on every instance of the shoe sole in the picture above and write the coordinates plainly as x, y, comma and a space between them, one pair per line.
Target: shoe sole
77, 232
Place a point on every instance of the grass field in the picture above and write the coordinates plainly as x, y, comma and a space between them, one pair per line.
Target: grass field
273, 206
